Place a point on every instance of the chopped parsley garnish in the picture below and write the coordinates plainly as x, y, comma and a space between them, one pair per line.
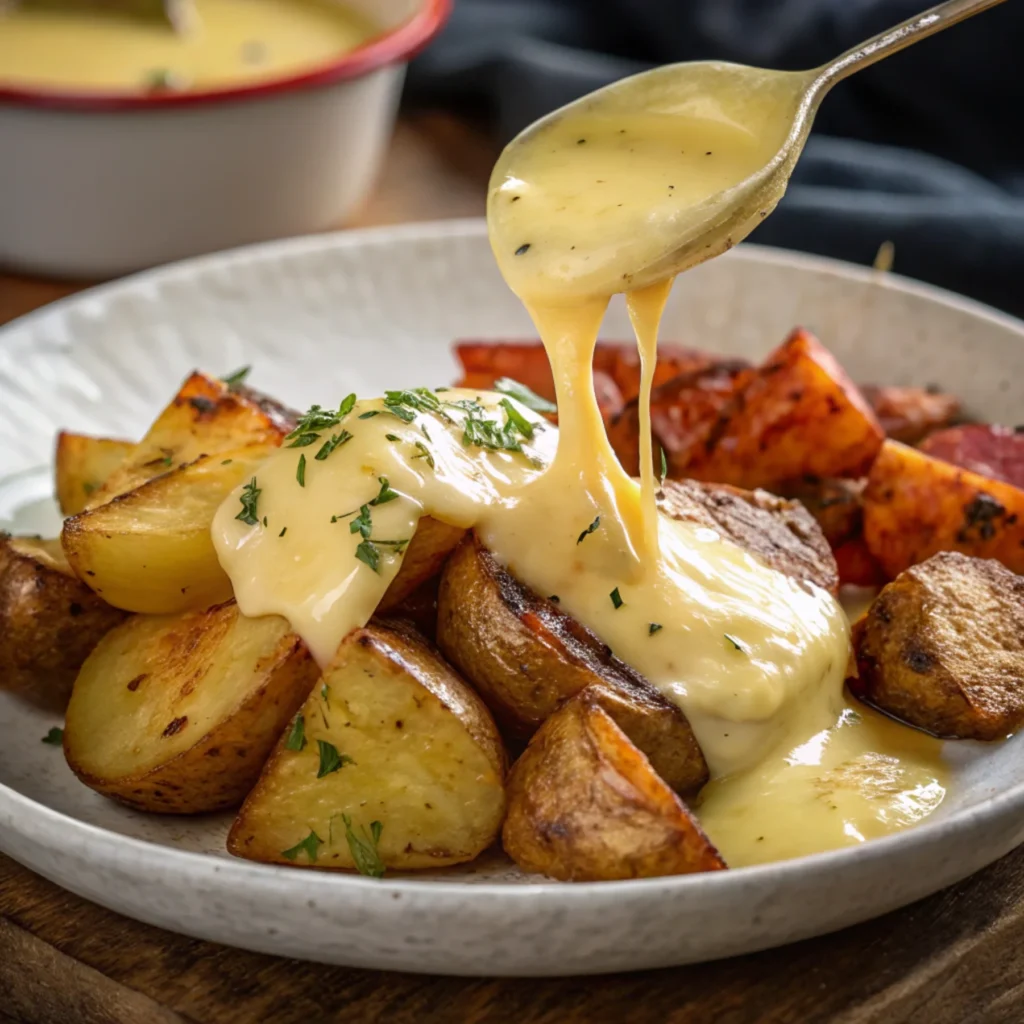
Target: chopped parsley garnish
310, 846
304, 440
325, 694
362, 523
364, 847
249, 498
523, 249
300, 471
309, 427
522, 394
367, 552
234, 380
517, 419
330, 759
296, 735
336, 441
55, 737
264, 520
405, 404
738, 644
555, 598
653, 628
664, 466
385, 494
348, 403
392, 437
424, 453
284, 530
589, 530
616, 598
369, 414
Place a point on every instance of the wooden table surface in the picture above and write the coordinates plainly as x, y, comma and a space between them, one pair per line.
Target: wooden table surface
956, 958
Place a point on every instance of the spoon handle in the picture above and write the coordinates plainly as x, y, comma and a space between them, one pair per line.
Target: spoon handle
896, 38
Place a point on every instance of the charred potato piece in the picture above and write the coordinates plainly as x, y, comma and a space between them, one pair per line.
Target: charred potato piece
796, 415
916, 505
431, 545
910, 414
622, 362
205, 417
783, 534
942, 648
983, 448
178, 714
150, 550
49, 621
834, 503
857, 566
525, 657
419, 609
394, 742
83, 464
585, 805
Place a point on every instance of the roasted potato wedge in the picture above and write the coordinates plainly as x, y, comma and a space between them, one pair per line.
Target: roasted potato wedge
857, 566
82, 465
391, 736
942, 648
205, 417
916, 505
150, 550
585, 805
525, 656
49, 621
178, 714
910, 414
834, 503
431, 545
983, 448
796, 415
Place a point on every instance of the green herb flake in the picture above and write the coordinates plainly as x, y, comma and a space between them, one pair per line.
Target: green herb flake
300, 471
653, 628
310, 846
392, 437
284, 530
364, 847
368, 553
555, 598
348, 403
516, 419
616, 598
664, 467
336, 441
589, 530
523, 395
325, 694
296, 739
385, 494
55, 737
235, 380
738, 644
362, 523
424, 453
304, 440
330, 760
249, 498
369, 414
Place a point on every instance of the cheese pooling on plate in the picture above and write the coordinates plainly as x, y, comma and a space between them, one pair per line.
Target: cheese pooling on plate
755, 659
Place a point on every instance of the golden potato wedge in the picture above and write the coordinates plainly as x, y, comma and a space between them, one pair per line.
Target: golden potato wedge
178, 714
910, 414
49, 621
82, 465
942, 648
584, 805
525, 656
431, 545
916, 505
393, 762
205, 417
798, 414
150, 550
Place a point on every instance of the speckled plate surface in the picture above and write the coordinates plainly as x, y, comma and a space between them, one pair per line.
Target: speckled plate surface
363, 311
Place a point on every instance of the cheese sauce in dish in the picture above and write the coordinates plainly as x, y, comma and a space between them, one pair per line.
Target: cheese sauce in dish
755, 659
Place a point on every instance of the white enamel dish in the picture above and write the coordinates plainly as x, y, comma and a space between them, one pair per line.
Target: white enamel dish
322, 316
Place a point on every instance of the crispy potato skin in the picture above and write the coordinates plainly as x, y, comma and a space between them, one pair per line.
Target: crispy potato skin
49, 621
83, 464
783, 534
586, 805
916, 505
910, 414
150, 550
796, 415
525, 657
178, 714
942, 648
431, 545
426, 762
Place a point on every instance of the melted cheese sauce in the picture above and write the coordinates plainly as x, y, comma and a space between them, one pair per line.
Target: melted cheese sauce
231, 42
755, 659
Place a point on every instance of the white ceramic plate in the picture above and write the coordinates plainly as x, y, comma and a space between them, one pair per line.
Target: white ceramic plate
362, 311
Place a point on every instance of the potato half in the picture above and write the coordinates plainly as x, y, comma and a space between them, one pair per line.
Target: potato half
150, 550
178, 714
391, 736
82, 465
49, 621
431, 545
585, 805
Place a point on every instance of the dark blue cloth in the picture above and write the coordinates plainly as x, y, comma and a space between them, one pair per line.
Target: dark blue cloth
925, 149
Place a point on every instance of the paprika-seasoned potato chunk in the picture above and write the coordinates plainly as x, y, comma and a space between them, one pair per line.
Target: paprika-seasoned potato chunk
797, 414
835, 503
916, 505
585, 805
525, 656
150, 550
49, 621
393, 762
178, 714
82, 465
205, 417
431, 545
942, 648
909, 414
